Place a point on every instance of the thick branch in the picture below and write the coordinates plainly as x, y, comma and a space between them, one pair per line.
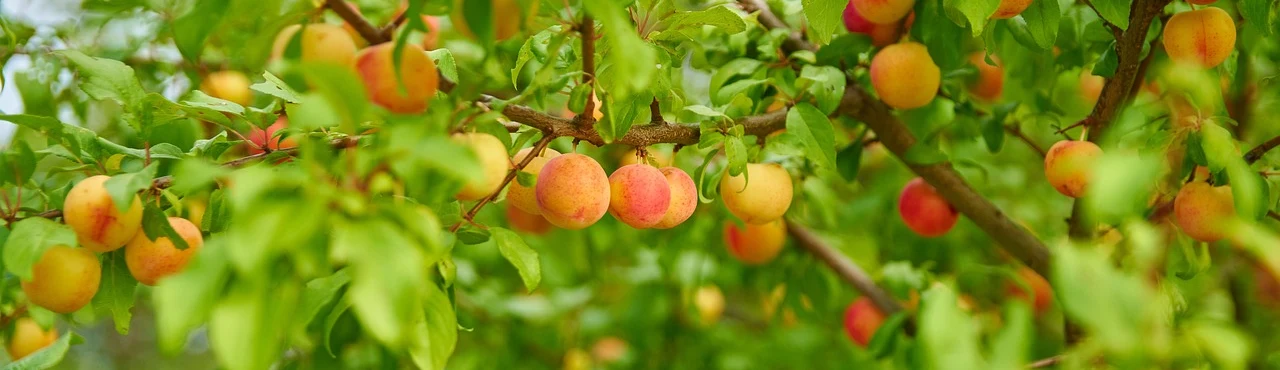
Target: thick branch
587, 117
1258, 151
357, 22
639, 136
847, 269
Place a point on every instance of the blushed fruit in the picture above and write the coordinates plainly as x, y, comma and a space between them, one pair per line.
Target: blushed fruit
861, 320
270, 138
854, 22
99, 225
231, 86
1203, 211
150, 260
925, 211
376, 67
905, 76
493, 164
1069, 166
521, 196
573, 191
1201, 2
883, 11
609, 350
1011, 8
639, 195
1205, 36
506, 18
431, 40
526, 222
1041, 294
28, 337
684, 198
710, 303
631, 156
988, 85
755, 244
766, 197
64, 279
319, 42
1091, 86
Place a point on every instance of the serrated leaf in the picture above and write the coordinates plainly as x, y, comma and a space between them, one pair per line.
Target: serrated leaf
524, 258
28, 241
526, 52
736, 151
445, 63
115, 290
276, 87
105, 79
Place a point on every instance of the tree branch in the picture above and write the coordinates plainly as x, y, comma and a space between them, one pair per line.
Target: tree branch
845, 268
511, 175
587, 117
1017, 132
1258, 151
357, 22
1045, 362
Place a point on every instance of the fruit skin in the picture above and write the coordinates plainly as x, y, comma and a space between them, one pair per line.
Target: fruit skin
431, 40
231, 86
609, 350
64, 279
269, 139
766, 197
924, 211
1201, 2
526, 222
573, 191
755, 244
905, 76
521, 196
506, 18
861, 320
1205, 36
854, 22
710, 303
149, 261
988, 85
881, 34
1091, 86
1069, 164
493, 164
1041, 298
1203, 211
98, 224
376, 68
320, 43
639, 195
28, 337
1011, 8
684, 198
883, 11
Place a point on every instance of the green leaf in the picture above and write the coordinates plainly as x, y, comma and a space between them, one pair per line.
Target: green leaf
436, 332
191, 30
18, 163
471, 235
124, 188
1226, 346
524, 258
47, 357
388, 276
526, 179
527, 53
28, 241
948, 336
1107, 62
976, 12
276, 87
115, 292
155, 225
1010, 346
736, 151
708, 183
1041, 19
105, 79
815, 130
632, 59
690, 24
824, 18
445, 63
886, 336
825, 83
1114, 11
319, 292
1257, 14
849, 160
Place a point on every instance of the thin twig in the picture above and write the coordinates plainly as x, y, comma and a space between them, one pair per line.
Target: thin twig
1258, 151
1045, 362
1017, 132
357, 21
511, 175
844, 267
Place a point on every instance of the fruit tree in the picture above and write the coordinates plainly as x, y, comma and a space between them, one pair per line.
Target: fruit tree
657, 184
